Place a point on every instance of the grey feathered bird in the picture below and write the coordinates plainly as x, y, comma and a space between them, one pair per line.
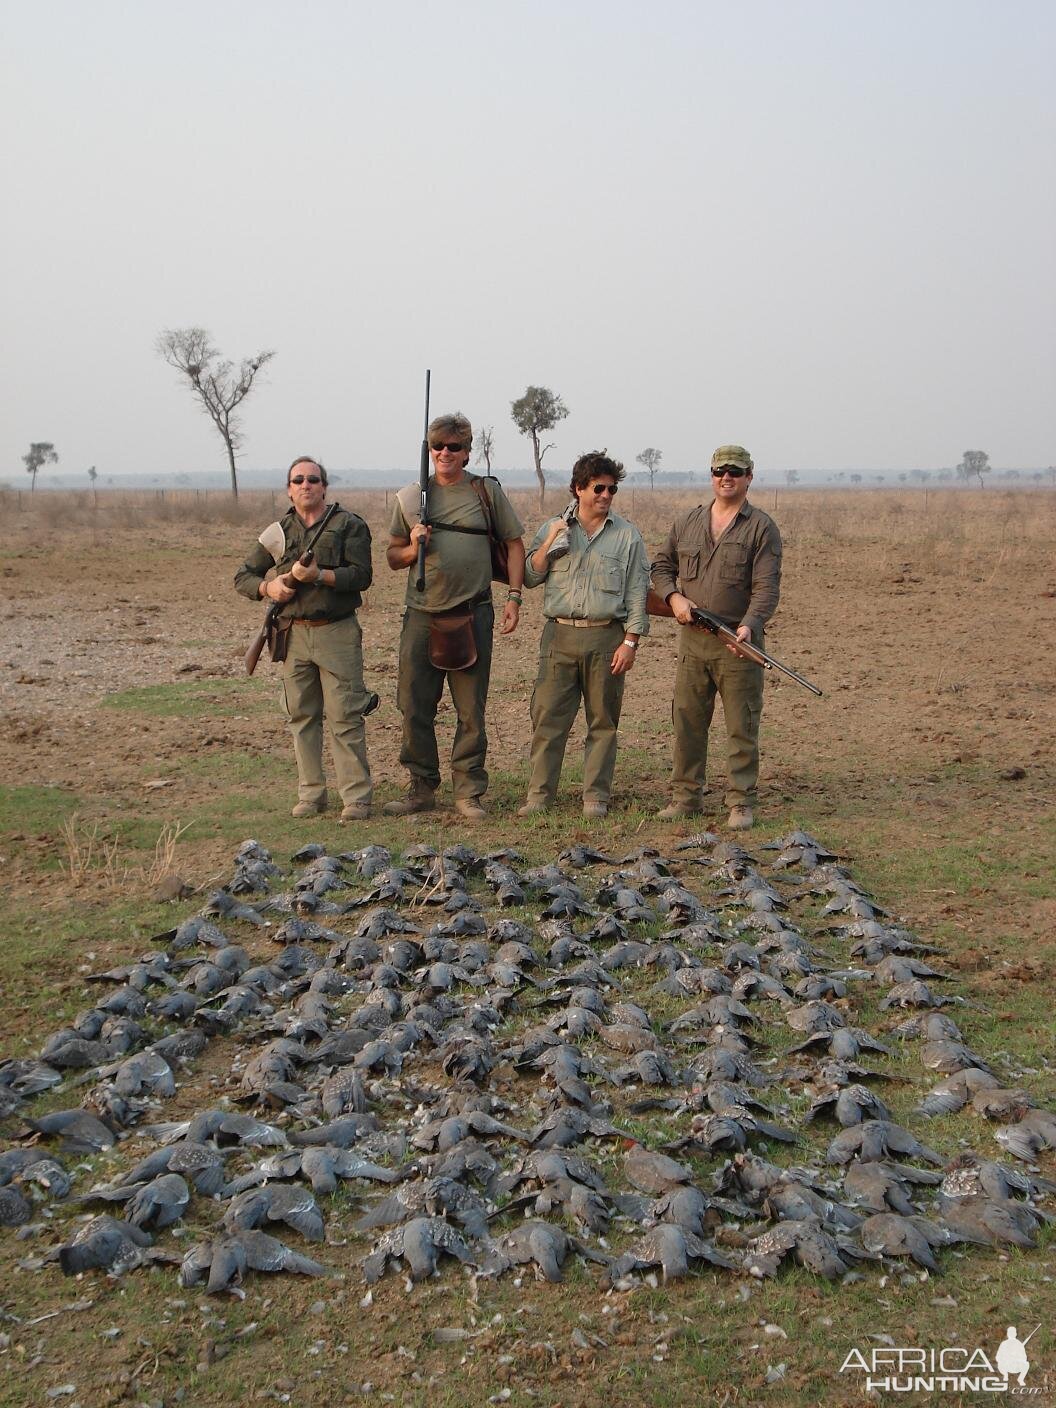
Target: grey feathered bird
223, 1261
103, 1244
276, 1202
420, 1244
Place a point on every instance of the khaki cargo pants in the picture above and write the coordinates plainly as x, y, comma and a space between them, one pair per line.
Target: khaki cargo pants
323, 674
574, 665
418, 693
706, 669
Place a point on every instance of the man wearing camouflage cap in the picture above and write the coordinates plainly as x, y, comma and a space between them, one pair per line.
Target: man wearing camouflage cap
725, 557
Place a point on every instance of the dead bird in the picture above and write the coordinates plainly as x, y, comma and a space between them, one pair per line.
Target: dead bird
430, 1197
78, 1131
879, 1186
1032, 1135
990, 1221
953, 1093
222, 1128
878, 1139
969, 1173
222, 1262
276, 1202
544, 1246
103, 1244
420, 1243
890, 1234
848, 1105
201, 1164
221, 905
807, 1242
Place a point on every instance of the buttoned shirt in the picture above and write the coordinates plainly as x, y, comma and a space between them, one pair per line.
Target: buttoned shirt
737, 576
343, 546
601, 578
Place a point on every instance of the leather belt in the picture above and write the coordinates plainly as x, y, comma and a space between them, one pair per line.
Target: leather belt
319, 620
575, 621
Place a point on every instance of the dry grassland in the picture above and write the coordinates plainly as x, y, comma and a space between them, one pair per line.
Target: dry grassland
930, 624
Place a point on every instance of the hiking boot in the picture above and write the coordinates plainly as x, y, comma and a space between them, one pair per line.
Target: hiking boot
594, 807
316, 808
356, 811
420, 798
472, 808
675, 811
741, 819
533, 808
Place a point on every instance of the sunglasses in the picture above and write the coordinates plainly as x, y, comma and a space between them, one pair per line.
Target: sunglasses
728, 469
306, 479
454, 446
600, 489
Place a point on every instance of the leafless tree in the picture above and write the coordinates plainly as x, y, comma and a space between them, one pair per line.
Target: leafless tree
650, 460
41, 452
219, 386
536, 412
486, 447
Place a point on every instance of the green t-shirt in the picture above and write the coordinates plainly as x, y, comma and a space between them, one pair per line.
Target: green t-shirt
457, 565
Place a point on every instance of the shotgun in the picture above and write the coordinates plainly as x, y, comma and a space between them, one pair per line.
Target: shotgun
271, 615
705, 621
423, 485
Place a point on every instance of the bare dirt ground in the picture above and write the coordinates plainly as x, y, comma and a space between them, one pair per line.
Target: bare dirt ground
927, 621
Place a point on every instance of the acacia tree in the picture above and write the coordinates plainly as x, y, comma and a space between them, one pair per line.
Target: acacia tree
219, 386
538, 411
791, 477
41, 452
650, 460
486, 447
974, 464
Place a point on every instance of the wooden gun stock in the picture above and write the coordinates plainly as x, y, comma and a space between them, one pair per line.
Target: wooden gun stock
261, 639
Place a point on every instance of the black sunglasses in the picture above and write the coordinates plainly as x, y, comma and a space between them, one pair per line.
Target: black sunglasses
306, 479
600, 489
454, 446
728, 469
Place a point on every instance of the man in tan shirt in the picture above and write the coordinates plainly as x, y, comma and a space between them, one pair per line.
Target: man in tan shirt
725, 557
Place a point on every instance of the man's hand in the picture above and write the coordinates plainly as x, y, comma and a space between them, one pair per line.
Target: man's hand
742, 633
511, 614
682, 608
623, 659
419, 532
308, 574
277, 590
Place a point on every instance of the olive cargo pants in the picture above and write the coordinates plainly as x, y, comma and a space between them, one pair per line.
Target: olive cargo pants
574, 665
707, 668
323, 674
418, 692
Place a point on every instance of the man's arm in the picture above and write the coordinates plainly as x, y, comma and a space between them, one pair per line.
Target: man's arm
537, 564
511, 612
766, 582
251, 578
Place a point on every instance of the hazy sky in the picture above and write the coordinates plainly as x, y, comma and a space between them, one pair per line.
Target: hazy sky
822, 228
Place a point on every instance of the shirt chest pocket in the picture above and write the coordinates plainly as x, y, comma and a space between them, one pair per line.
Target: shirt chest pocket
609, 575
733, 562
328, 550
689, 565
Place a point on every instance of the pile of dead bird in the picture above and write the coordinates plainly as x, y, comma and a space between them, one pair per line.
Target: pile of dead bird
607, 1077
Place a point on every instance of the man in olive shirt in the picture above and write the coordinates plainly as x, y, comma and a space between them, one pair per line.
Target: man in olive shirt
457, 580
323, 669
594, 601
726, 558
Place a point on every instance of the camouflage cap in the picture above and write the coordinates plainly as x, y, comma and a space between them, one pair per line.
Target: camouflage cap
736, 455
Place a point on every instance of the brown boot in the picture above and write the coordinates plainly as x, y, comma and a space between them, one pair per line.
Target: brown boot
594, 807
472, 808
356, 811
675, 811
420, 797
741, 819
316, 808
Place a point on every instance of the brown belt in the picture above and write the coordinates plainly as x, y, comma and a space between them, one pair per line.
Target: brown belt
575, 621
319, 620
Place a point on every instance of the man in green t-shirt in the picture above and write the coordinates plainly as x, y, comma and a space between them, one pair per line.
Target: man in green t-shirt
457, 582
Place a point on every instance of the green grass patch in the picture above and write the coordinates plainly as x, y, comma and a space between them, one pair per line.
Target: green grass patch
35, 810
195, 699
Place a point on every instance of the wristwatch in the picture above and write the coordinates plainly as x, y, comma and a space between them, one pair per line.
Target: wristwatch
631, 644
